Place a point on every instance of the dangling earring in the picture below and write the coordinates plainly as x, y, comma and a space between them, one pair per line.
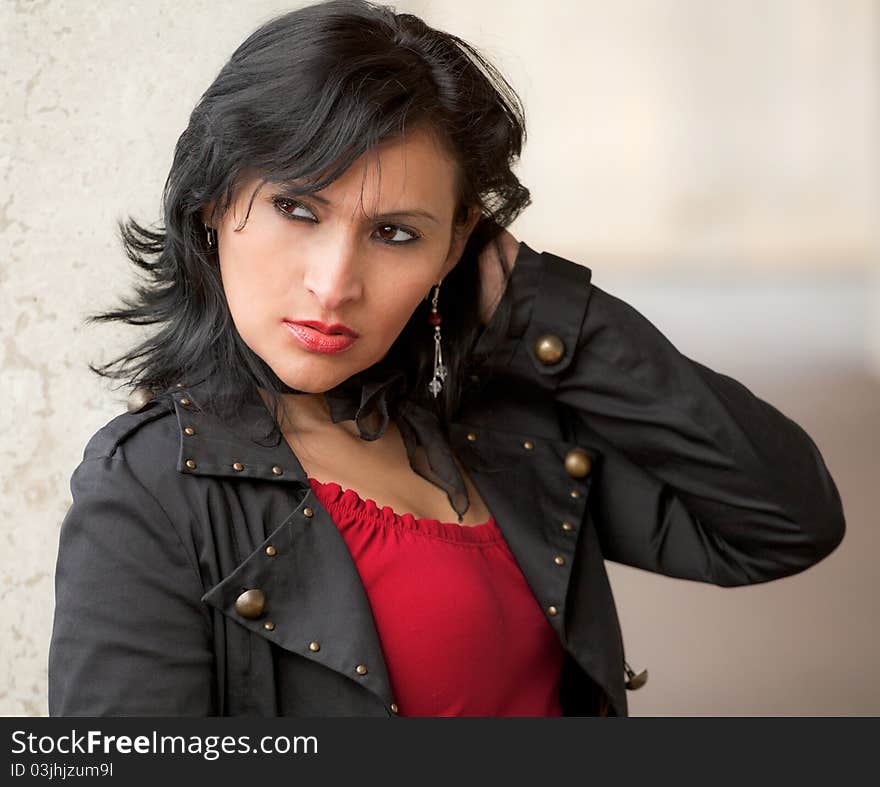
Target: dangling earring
209, 232
436, 383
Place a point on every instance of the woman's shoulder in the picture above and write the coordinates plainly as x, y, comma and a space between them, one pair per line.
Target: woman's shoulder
147, 421
126, 491
140, 445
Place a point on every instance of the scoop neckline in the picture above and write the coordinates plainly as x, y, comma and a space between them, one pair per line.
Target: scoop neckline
343, 499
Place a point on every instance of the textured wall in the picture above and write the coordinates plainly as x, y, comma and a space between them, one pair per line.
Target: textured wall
679, 136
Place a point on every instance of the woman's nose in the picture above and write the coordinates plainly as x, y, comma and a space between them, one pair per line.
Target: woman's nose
334, 276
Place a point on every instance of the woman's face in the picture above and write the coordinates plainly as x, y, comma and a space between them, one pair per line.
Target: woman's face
357, 253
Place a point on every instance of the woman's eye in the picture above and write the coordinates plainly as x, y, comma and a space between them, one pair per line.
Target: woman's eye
287, 206
392, 231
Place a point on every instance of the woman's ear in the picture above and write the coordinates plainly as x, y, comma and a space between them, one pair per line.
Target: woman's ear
206, 212
460, 234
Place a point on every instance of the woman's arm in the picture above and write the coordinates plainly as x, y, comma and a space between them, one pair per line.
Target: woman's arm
130, 636
699, 479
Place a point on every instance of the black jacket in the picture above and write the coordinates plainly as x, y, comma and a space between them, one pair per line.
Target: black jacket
591, 438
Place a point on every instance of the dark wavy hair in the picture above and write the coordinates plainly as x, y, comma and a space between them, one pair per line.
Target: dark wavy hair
302, 98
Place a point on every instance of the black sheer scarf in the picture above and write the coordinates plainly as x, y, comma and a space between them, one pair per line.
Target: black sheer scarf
377, 395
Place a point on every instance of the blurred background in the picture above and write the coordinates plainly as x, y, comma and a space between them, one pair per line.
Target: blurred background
715, 164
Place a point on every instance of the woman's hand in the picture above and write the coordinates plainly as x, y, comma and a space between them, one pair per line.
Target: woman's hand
491, 275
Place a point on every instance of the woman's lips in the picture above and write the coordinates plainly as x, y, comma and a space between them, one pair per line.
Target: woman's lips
315, 341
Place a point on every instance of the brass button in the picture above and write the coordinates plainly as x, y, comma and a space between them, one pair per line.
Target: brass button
551, 611
277, 470
271, 551
361, 669
394, 707
307, 512
578, 463
559, 560
251, 603
549, 348
528, 445
190, 464
567, 526
314, 646
237, 466
184, 401
189, 430
269, 625
575, 493
138, 398
471, 437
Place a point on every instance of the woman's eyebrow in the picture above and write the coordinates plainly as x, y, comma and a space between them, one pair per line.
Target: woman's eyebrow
394, 214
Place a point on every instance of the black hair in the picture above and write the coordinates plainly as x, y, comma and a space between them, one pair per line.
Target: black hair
302, 98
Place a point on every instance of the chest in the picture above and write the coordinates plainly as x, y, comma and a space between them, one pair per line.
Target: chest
380, 470
310, 646
322, 623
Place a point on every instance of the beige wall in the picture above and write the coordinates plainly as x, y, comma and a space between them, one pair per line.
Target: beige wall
673, 144
695, 132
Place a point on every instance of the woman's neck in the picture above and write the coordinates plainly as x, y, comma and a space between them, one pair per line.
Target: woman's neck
308, 413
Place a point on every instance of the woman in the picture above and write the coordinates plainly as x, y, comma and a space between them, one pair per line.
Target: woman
378, 449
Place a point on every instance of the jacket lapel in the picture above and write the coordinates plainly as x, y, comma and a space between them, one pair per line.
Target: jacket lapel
313, 601
540, 519
542, 510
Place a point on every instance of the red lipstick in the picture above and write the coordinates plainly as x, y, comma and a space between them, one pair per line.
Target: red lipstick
316, 336
335, 327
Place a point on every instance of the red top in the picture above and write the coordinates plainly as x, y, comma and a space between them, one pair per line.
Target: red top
461, 631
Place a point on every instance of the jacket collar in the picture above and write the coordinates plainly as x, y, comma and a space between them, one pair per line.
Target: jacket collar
241, 449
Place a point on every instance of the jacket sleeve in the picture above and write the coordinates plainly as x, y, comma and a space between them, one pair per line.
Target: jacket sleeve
698, 478
130, 636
